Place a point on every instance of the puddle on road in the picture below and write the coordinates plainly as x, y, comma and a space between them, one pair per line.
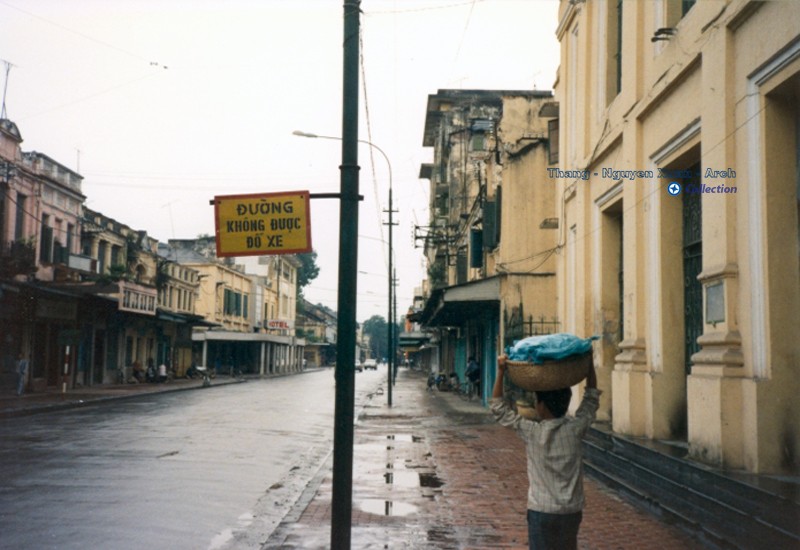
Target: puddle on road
245, 519
402, 479
412, 479
407, 438
387, 507
430, 480
222, 538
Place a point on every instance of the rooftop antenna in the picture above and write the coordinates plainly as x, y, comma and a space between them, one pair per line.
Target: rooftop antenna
8, 65
168, 206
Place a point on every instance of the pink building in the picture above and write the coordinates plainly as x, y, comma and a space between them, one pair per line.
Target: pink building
19, 222
41, 206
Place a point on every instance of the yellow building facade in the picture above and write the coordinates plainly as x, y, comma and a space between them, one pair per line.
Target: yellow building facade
518, 188
491, 240
679, 189
224, 296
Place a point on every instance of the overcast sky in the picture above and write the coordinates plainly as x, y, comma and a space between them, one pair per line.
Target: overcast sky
163, 104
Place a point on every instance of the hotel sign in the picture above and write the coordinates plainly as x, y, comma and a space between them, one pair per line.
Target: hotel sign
280, 324
263, 223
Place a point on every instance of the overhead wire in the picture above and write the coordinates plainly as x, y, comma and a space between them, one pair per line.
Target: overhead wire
430, 8
369, 140
89, 38
464, 32
90, 96
37, 219
77, 33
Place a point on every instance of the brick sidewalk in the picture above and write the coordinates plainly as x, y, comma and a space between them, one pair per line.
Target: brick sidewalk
437, 472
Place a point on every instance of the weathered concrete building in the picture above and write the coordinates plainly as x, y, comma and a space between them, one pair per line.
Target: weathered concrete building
40, 211
680, 194
490, 206
239, 339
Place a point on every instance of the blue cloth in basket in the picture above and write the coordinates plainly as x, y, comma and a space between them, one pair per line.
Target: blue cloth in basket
549, 347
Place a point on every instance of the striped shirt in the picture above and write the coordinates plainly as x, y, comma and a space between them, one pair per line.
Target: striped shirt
555, 456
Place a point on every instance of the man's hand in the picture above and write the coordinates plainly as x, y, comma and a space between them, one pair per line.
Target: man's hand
497, 391
501, 363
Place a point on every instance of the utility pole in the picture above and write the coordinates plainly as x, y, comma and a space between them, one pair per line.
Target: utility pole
394, 314
391, 250
344, 416
390, 316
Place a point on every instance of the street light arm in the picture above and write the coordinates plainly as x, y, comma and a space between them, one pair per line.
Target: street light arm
308, 135
392, 313
300, 133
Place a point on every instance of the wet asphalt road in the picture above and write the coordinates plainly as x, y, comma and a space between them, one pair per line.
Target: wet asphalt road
202, 469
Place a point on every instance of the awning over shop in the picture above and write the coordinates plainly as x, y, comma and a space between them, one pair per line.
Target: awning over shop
412, 341
454, 306
184, 318
231, 336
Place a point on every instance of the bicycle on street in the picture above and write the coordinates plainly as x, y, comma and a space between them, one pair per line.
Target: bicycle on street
466, 390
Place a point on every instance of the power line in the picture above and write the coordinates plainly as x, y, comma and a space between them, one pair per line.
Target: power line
33, 216
90, 96
369, 134
415, 10
464, 32
77, 33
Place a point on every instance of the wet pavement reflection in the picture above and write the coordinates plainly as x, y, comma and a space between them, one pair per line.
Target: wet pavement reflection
437, 472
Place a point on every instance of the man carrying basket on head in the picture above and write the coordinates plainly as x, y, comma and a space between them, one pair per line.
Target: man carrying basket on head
555, 459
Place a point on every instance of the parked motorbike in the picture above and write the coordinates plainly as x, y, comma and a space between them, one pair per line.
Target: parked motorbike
206, 373
193, 372
196, 371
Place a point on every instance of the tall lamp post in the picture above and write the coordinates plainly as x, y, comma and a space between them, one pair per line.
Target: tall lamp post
390, 317
344, 413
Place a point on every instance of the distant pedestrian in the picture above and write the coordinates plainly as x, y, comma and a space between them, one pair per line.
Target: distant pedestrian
22, 370
139, 374
162, 372
473, 373
555, 461
431, 381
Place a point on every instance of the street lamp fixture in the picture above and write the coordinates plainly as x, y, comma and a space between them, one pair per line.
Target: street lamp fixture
390, 317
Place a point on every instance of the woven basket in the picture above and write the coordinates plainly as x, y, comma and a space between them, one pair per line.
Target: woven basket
550, 375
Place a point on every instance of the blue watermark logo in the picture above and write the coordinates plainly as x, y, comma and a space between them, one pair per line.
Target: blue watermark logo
674, 188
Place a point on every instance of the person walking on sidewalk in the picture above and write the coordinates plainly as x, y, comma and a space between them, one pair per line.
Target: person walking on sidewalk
22, 370
555, 459
473, 374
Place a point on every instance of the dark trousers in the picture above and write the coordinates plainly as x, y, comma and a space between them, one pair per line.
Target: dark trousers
553, 531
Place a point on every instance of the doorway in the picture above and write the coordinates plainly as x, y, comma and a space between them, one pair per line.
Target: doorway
692, 231
98, 356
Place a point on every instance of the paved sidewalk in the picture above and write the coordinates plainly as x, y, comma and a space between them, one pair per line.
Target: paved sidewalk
435, 471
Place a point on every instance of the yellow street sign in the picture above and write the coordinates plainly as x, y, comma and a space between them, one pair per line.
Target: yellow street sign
263, 223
